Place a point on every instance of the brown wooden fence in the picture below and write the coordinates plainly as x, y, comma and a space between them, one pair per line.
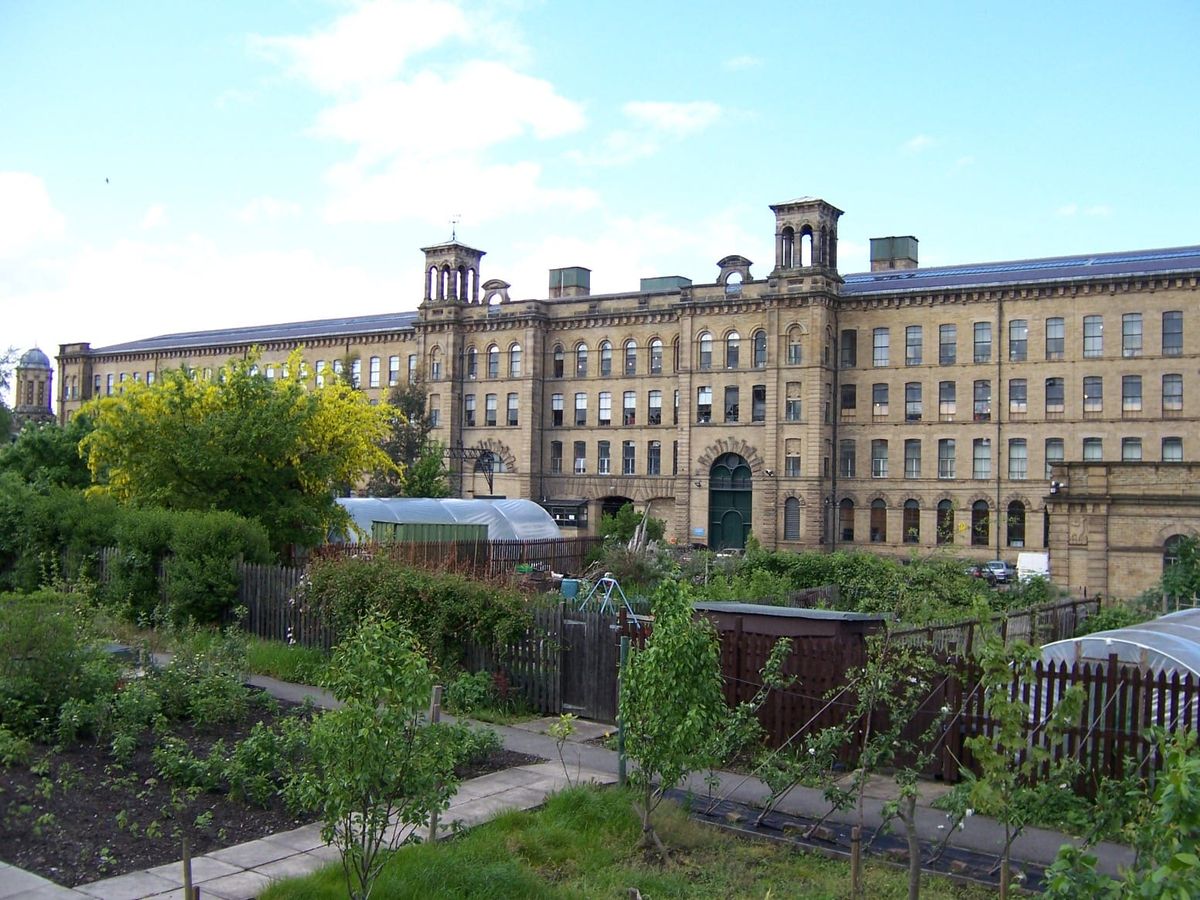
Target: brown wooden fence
481, 559
1035, 625
532, 663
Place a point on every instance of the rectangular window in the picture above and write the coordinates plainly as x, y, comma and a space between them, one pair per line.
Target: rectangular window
912, 459
435, 410
1018, 459
791, 405
913, 345
108, 384
1131, 393
1055, 338
675, 408
674, 457
704, 404
412, 368
758, 404
603, 458
1093, 394
1055, 450
731, 403
628, 458
356, 373
849, 398
1093, 335
1131, 334
556, 410
469, 410
983, 342
1018, 340
489, 410
513, 414
912, 402
580, 458
96, 386
879, 459
946, 458
630, 358
556, 457
982, 410
981, 458
1172, 449
1093, 449
1131, 449
393, 371
847, 455
604, 409
849, 348
1055, 395
1018, 396
947, 345
1172, 333
791, 460
656, 357
879, 399
629, 408
654, 458
581, 408
320, 373
374, 372
654, 416
795, 349
880, 339
947, 401
1172, 393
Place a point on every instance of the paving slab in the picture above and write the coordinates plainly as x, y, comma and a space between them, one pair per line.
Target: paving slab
290, 867
14, 880
131, 886
253, 854
242, 886
306, 837
48, 891
203, 869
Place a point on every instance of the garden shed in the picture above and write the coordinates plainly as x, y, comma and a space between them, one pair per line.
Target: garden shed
426, 519
1169, 644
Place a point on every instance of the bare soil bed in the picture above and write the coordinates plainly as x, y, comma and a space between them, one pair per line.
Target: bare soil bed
75, 816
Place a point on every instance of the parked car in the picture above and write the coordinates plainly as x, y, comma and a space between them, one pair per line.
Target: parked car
1002, 572
976, 570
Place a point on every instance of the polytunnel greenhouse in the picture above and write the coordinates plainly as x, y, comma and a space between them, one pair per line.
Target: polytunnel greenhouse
1169, 644
425, 519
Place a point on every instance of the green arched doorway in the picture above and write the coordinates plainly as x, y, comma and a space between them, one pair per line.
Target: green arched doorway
729, 502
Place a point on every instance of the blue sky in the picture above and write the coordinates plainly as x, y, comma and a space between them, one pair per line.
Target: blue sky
285, 160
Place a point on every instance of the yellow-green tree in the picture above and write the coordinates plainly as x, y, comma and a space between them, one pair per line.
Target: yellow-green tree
268, 449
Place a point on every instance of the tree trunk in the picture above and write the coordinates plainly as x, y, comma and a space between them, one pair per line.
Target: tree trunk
909, 818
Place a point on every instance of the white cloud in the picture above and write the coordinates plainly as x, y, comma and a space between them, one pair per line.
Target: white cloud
963, 162
1068, 209
27, 215
267, 209
739, 63
368, 45
1095, 209
1099, 209
155, 217
652, 123
918, 143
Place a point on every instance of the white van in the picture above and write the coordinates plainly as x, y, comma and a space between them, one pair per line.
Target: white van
1033, 565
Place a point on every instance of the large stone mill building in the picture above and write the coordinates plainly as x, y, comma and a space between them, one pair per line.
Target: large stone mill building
897, 409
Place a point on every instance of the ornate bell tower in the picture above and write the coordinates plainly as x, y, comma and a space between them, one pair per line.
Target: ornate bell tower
805, 235
32, 380
451, 273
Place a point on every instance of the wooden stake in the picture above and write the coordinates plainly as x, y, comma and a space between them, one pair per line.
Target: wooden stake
856, 861
435, 716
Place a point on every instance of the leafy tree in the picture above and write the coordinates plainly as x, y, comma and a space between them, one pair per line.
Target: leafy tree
620, 527
418, 467
8, 359
1182, 578
374, 762
267, 449
670, 702
45, 455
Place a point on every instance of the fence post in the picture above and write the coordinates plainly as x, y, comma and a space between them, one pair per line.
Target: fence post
435, 716
621, 761
1110, 717
951, 745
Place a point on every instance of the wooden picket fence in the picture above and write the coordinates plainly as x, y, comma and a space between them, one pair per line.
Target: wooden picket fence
532, 664
478, 559
1036, 625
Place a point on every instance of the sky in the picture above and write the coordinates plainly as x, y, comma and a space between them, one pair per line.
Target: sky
171, 166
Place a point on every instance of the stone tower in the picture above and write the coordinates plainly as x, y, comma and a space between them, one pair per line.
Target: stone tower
32, 383
805, 235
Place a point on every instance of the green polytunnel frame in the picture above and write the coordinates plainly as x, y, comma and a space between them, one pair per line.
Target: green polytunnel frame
426, 519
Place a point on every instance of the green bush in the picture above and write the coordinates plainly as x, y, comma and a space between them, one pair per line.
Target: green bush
142, 538
1110, 617
467, 693
202, 579
48, 655
442, 610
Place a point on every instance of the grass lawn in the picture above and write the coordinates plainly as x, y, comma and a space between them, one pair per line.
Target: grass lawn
287, 662
582, 844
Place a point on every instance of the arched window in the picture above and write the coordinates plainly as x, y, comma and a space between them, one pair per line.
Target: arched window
912, 522
581, 354
675, 354
435, 365
705, 342
733, 347
846, 519
472, 363
787, 248
760, 349
806, 246
981, 532
493, 361
791, 519
630, 358
945, 522
514, 361
656, 356
605, 358
1016, 524
558, 361
878, 522
432, 284
1171, 549
795, 352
